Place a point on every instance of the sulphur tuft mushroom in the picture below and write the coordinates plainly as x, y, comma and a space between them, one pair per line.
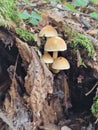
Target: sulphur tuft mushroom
48, 31
60, 63
55, 44
47, 58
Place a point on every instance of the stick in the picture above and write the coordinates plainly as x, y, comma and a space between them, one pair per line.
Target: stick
91, 89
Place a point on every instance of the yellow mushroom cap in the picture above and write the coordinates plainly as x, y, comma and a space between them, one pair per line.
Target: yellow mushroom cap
48, 31
55, 44
47, 58
60, 63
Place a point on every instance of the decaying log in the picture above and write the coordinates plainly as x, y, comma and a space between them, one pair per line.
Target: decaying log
15, 113
38, 83
62, 89
33, 107
28, 111
24, 51
39, 80
59, 103
17, 116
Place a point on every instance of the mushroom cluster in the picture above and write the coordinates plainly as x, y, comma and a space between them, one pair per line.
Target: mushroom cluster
54, 44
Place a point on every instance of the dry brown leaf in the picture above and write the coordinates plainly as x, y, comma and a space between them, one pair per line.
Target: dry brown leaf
64, 1
93, 32
56, 15
44, 20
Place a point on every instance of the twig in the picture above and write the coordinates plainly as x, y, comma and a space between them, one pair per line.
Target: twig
91, 89
96, 121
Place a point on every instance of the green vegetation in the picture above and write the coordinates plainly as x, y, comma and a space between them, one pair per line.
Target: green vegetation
8, 13
95, 1
32, 18
94, 15
10, 17
78, 41
69, 6
53, 1
25, 34
29, 3
94, 107
82, 41
81, 3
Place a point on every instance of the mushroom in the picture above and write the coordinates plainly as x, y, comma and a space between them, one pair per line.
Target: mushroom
60, 63
54, 45
47, 58
48, 31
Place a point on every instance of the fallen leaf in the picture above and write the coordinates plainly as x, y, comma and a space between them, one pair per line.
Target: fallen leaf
93, 32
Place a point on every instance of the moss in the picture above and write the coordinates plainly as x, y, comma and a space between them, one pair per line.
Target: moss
25, 34
82, 41
8, 13
94, 107
78, 41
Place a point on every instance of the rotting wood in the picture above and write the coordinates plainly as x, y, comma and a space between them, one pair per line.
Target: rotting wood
24, 51
38, 83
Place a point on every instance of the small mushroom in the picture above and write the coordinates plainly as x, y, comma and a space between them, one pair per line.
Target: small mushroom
54, 45
48, 31
47, 58
60, 63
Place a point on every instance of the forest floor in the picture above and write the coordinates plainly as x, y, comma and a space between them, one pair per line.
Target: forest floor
31, 94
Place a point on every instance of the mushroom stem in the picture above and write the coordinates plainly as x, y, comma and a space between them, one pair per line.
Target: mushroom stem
55, 54
55, 71
47, 65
